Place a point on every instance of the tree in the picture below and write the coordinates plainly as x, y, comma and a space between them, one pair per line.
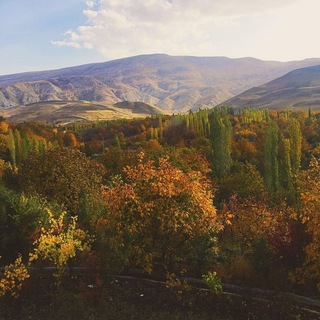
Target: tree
285, 170
12, 147
4, 151
117, 141
245, 181
59, 242
18, 146
295, 145
70, 140
221, 134
252, 219
157, 215
271, 166
19, 216
310, 200
62, 175
258, 236
13, 278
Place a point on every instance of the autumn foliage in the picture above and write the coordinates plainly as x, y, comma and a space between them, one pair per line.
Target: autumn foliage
13, 278
229, 191
310, 202
157, 212
60, 242
62, 175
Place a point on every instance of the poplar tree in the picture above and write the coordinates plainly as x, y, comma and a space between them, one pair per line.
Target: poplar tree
12, 148
26, 146
285, 175
151, 133
18, 146
295, 143
271, 166
117, 141
160, 132
35, 145
221, 135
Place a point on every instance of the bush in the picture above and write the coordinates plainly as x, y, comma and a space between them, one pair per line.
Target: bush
213, 282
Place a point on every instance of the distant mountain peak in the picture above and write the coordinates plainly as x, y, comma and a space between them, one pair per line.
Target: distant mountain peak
171, 83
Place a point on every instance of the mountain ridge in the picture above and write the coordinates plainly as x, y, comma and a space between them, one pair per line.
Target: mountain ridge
171, 83
298, 89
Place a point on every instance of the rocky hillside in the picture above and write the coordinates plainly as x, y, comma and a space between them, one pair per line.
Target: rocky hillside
171, 83
298, 89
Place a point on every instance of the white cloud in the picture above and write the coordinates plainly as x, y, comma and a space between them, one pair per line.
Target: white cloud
67, 44
293, 33
90, 4
197, 27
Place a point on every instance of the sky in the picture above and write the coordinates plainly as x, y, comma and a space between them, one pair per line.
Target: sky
49, 34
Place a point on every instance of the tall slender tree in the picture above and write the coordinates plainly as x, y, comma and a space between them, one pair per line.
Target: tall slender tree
295, 145
221, 135
18, 146
271, 166
12, 147
285, 172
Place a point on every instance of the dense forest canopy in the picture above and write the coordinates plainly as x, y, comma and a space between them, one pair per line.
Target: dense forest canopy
224, 190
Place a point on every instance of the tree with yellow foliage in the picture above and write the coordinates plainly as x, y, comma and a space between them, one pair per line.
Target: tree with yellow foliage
13, 277
60, 242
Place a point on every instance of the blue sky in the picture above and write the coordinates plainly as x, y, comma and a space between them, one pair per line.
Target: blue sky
27, 29
42, 34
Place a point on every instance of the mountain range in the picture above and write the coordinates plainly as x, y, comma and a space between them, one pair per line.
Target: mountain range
169, 83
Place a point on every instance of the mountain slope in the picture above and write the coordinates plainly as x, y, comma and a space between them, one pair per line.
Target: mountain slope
297, 89
73, 111
172, 83
138, 107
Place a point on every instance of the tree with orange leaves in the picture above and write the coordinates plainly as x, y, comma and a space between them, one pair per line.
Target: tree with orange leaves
252, 219
158, 214
310, 200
